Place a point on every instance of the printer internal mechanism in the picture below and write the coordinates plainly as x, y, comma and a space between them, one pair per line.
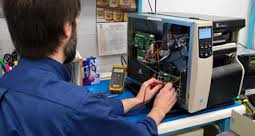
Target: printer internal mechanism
166, 57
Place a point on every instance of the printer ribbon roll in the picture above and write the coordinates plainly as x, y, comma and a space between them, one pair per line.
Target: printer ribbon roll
225, 84
226, 70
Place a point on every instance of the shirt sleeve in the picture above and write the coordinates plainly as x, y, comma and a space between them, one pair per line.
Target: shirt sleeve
97, 116
115, 104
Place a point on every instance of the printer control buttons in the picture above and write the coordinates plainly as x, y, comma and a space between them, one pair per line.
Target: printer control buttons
205, 48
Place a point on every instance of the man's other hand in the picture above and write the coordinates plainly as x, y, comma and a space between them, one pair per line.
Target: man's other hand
163, 103
148, 91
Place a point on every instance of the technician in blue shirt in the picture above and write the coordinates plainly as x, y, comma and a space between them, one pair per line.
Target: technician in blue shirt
37, 98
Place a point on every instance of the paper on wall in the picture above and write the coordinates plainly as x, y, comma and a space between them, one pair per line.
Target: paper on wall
112, 38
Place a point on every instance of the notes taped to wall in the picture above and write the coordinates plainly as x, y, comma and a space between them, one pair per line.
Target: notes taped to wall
112, 38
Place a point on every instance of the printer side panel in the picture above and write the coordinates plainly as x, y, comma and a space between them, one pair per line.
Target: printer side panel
201, 65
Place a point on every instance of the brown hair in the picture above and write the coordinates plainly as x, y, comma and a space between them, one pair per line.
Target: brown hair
36, 26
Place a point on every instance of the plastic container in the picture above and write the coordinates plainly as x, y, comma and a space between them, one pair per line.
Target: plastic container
99, 2
118, 16
108, 15
104, 3
114, 3
125, 3
125, 17
100, 13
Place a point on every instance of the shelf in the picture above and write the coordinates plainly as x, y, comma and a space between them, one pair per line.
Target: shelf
118, 8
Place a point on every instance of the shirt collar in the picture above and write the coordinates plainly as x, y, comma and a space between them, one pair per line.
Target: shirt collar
50, 65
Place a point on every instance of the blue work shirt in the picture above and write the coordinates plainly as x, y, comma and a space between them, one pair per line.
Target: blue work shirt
37, 99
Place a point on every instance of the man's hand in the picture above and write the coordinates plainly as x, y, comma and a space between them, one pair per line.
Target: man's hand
146, 92
163, 103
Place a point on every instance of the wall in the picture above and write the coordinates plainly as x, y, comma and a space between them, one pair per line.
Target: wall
231, 8
87, 24
87, 44
86, 37
5, 39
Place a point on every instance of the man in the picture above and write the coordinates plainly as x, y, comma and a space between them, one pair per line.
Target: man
37, 98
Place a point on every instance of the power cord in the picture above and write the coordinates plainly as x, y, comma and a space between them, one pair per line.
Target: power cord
123, 60
156, 6
144, 102
243, 45
155, 9
106, 94
149, 2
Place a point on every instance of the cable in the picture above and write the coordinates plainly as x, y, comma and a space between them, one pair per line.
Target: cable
179, 50
103, 94
178, 78
123, 60
243, 45
150, 5
106, 94
146, 90
244, 50
175, 81
148, 67
155, 6
163, 58
158, 50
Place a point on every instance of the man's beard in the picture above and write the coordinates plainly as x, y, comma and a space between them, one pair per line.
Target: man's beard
70, 49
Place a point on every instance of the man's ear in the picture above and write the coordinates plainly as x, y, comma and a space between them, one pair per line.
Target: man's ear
67, 30
77, 24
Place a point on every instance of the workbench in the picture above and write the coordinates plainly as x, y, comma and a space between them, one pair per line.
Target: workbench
179, 123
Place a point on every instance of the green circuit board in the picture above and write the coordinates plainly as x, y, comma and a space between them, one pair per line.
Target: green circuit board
143, 40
